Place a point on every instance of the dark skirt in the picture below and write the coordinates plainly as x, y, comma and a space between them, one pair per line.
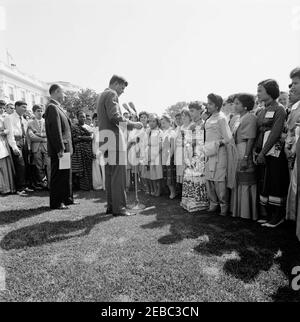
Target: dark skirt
274, 181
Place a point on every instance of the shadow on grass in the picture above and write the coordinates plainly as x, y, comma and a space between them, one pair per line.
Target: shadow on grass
248, 248
11, 216
50, 232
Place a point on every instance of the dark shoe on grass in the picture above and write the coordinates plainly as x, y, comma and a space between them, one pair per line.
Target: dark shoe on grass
109, 211
60, 207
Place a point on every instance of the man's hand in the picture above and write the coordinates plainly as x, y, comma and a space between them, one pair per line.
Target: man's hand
60, 154
17, 152
138, 125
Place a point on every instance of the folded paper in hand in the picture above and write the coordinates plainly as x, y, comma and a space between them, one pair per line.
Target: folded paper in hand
274, 151
65, 161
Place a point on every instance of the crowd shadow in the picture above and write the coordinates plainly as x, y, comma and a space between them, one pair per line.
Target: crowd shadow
51, 232
257, 248
11, 216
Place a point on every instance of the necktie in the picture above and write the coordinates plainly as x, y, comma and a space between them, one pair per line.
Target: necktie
22, 127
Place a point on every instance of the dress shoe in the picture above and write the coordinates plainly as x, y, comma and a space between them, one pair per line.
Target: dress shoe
262, 221
276, 220
22, 193
124, 214
109, 211
72, 203
61, 207
273, 224
213, 209
28, 189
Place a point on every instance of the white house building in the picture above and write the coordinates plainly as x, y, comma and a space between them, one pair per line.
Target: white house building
16, 85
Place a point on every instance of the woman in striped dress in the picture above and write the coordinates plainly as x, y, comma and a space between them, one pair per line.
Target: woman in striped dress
82, 159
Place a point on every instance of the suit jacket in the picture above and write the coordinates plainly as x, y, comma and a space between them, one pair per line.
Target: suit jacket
58, 129
36, 142
110, 116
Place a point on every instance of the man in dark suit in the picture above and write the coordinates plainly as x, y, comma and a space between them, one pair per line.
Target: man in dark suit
59, 139
112, 126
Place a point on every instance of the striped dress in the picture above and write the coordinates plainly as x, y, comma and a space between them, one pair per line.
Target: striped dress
82, 159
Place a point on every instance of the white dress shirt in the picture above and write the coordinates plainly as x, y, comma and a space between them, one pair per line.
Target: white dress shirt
13, 123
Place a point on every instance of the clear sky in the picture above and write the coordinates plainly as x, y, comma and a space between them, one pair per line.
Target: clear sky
169, 50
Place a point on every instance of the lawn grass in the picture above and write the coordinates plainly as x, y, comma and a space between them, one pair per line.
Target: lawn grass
162, 254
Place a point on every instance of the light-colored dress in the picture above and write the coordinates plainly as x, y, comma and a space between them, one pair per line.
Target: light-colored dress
217, 129
244, 194
143, 152
154, 167
98, 163
194, 193
7, 184
179, 152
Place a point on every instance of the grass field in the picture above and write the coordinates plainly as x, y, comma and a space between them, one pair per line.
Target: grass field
163, 254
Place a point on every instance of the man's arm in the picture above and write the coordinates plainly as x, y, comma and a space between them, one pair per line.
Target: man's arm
113, 111
32, 136
54, 126
10, 136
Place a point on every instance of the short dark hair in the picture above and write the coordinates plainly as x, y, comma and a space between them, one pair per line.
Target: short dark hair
36, 107
53, 88
271, 87
118, 79
178, 114
143, 113
20, 103
247, 100
196, 105
295, 72
80, 112
2, 103
216, 99
95, 115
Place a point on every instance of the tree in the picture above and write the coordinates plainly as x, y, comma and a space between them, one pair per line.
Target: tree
176, 108
84, 100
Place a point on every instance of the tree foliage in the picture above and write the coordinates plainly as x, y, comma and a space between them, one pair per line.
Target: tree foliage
176, 108
84, 100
